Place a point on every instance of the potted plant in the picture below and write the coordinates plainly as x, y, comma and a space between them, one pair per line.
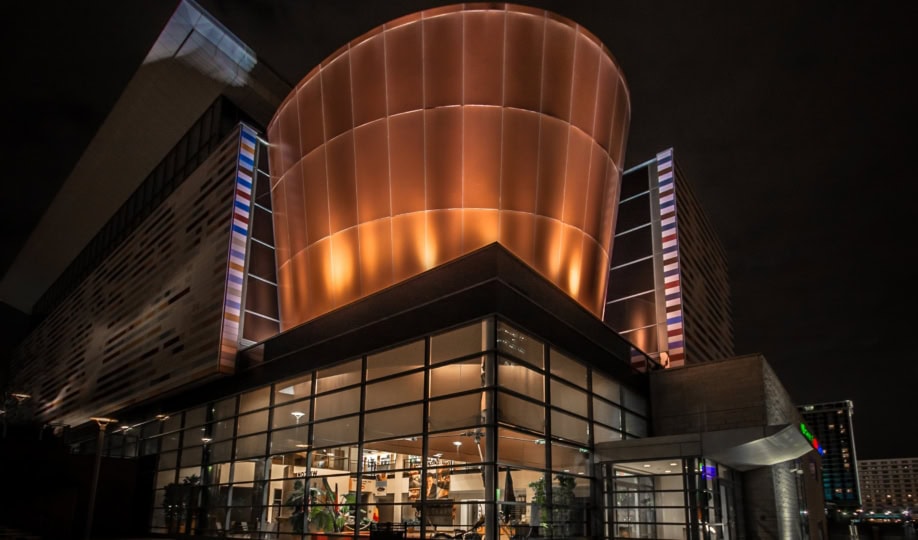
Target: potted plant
556, 521
326, 512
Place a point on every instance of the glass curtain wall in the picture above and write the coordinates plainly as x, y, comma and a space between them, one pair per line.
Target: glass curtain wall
672, 499
480, 428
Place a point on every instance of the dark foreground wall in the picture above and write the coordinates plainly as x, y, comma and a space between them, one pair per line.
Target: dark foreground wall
45, 491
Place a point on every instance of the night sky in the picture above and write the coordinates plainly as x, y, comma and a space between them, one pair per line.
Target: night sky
792, 120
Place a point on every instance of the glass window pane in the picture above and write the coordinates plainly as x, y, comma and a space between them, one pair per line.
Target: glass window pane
195, 417
516, 343
164, 478
520, 449
459, 342
150, 429
397, 360
172, 423
521, 413
457, 377
456, 412
168, 460
256, 399
290, 440
603, 434
339, 376
567, 368
605, 387
193, 436
291, 414
336, 432
221, 452
225, 408
394, 422
568, 398
635, 425
607, 413
252, 423
570, 459
170, 441
337, 404
191, 457
395, 391
222, 430
291, 389
568, 427
250, 446
634, 401
520, 378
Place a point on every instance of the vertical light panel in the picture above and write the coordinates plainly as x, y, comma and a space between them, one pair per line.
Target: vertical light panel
239, 234
672, 283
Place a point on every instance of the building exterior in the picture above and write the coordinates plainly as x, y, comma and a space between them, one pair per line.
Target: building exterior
888, 485
669, 291
760, 474
833, 425
388, 310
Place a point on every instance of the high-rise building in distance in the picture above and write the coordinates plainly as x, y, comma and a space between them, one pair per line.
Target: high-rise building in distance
669, 291
833, 424
888, 484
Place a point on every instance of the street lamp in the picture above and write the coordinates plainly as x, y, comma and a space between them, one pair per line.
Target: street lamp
19, 397
103, 423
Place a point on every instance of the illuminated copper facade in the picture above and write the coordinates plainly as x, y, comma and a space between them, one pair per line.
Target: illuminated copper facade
439, 133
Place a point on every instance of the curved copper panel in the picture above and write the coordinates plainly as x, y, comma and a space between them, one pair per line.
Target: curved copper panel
437, 134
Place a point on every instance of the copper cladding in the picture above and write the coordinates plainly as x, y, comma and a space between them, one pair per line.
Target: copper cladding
437, 134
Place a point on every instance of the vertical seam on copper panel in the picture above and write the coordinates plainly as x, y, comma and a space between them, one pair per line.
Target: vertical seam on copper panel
325, 152
350, 73
567, 151
462, 110
503, 108
538, 157
388, 152
424, 132
300, 164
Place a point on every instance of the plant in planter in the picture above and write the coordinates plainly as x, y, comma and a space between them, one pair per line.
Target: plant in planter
326, 512
554, 521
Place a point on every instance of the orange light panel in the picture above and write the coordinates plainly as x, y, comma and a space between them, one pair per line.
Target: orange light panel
437, 134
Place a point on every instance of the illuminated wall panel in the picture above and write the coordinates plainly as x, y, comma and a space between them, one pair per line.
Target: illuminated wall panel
161, 311
437, 134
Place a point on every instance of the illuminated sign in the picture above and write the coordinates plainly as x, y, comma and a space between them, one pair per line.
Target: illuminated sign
813, 441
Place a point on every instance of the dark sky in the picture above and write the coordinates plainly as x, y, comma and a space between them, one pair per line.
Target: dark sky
792, 120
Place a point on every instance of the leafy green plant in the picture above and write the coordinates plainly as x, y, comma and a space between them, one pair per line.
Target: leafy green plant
326, 512
554, 521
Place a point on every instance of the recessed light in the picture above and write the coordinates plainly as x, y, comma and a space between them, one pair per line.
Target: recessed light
673, 464
647, 465
457, 443
302, 446
667, 471
206, 440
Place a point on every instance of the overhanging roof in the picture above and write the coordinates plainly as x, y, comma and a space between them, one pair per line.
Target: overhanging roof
742, 449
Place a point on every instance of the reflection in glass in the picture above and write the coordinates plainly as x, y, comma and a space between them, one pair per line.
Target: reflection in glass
292, 389
395, 391
460, 342
397, 360
457, 377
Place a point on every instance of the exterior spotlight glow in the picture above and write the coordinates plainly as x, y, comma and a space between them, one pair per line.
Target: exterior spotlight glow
102, 421
457, 443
